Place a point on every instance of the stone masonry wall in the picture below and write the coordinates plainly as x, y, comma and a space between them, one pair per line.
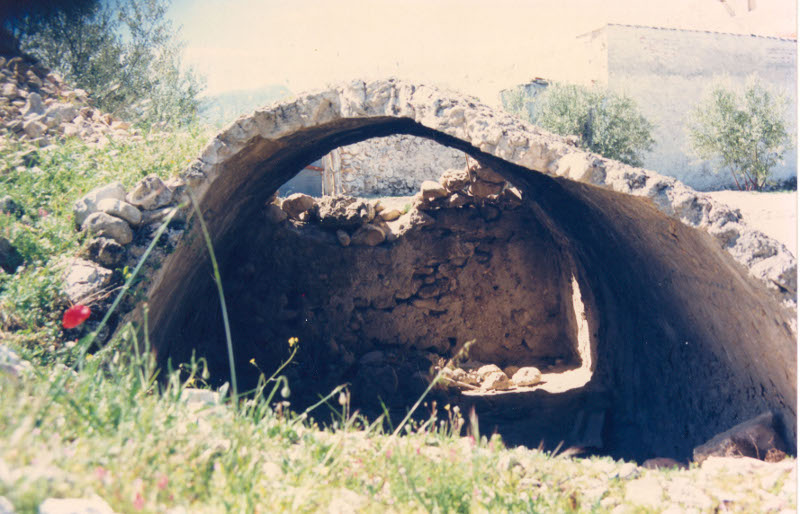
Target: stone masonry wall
386, 166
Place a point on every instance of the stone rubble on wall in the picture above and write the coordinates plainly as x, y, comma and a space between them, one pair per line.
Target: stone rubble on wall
386, 166
363, 222
36, 106
513, 140
121, 225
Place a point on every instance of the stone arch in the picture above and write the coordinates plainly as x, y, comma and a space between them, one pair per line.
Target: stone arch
691, 312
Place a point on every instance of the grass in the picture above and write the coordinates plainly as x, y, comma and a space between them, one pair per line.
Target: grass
44, 184
111, 424
113, 433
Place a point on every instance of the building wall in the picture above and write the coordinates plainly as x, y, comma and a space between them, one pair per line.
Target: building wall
387, 166
667, 72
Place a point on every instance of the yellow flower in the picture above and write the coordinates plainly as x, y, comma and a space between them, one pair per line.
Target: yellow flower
293, 341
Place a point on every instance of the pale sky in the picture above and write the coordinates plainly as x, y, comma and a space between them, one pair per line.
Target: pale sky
475, 46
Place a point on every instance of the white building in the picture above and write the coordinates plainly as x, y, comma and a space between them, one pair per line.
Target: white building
667, 71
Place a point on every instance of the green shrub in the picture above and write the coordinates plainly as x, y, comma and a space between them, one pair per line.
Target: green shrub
743, 130
604, 122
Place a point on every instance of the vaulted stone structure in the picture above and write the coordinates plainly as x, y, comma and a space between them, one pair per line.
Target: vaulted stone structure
687, 315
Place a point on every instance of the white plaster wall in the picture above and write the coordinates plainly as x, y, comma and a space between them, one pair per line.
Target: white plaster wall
387, 166
667, 71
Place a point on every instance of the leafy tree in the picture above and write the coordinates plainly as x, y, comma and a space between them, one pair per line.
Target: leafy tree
605, 122
744, 132
125, 54
12, 14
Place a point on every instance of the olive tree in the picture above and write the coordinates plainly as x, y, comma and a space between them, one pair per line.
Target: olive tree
742, 131
125, 54
604, 122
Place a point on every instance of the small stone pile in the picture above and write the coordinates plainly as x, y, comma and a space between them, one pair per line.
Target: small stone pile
36, 106
116, 219
363, 222
489, 377
476, 185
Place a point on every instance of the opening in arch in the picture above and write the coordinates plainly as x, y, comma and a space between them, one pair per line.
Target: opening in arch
670, 318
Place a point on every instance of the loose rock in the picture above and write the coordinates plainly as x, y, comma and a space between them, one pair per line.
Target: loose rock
297, 204
483, 190
432, 190
105, 225
88, 203
489, 175
496, 380
84, 278
527, 376
150, 193
368, 235
390, 214
106, 251
487, 369
120, 209
343, 237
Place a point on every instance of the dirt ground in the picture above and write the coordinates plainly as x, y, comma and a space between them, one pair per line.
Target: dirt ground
775, 214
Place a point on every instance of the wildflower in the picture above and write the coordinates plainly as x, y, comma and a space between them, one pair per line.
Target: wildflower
293, 341
101, 473
162, 482
138, 501
75, 315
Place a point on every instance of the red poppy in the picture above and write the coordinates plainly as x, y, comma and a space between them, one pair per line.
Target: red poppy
75, 315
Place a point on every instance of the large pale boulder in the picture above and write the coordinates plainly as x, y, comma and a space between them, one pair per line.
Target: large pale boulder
83, 279
297, 204
88, 203
527, 376
101, 224
120, 209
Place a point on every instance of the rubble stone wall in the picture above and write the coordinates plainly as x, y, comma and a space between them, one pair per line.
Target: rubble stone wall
387, 166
